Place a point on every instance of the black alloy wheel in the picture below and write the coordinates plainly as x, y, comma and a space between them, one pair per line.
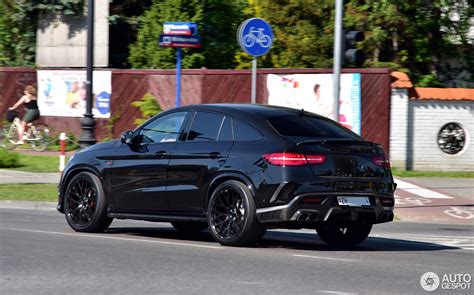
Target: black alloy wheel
231, 215
346, 236
85, 204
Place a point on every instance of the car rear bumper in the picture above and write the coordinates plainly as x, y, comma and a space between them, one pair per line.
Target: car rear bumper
328, 211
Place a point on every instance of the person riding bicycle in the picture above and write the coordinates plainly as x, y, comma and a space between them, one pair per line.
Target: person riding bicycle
32, 113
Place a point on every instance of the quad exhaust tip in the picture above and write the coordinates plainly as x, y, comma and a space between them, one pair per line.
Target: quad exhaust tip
307, 217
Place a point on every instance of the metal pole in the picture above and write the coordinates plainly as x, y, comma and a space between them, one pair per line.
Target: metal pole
337, 57
87, 137
254, 80
178, 77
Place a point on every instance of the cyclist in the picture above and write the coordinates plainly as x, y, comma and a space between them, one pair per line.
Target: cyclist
32, 113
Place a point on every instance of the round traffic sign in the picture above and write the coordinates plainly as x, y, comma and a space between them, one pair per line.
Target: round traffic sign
255, 36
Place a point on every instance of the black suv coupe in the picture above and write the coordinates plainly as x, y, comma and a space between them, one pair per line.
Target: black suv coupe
236, 169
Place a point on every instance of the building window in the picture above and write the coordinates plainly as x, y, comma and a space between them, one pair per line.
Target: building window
451, 138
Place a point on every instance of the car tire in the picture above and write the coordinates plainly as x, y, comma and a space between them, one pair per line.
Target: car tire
85, 204
232, 215
189, 227
344, 236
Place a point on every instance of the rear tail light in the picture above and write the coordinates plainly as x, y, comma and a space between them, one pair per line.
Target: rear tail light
381, 161
315, 159
293, 159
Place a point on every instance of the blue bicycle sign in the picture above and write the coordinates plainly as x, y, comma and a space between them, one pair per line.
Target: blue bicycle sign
255, 36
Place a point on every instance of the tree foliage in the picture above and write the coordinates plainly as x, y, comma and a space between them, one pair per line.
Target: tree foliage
18, 25
419, 37
429, 40
217, 20
17, 34
124, 17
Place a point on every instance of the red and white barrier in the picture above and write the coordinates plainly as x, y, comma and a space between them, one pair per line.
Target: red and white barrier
62, 155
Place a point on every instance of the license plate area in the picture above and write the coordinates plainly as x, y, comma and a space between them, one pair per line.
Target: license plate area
353, 201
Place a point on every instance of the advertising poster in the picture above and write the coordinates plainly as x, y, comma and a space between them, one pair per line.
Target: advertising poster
314, 93
63, 93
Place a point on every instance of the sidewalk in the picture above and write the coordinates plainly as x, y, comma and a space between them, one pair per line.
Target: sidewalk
12, 176
45, 153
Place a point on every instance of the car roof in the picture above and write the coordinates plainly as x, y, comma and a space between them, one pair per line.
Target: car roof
244, 111
254, 114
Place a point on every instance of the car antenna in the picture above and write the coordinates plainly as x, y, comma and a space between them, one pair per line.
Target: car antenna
301, 113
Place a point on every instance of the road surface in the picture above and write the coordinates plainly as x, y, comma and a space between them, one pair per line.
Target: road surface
40, 254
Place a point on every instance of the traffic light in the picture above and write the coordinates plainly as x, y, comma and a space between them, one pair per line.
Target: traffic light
353, 55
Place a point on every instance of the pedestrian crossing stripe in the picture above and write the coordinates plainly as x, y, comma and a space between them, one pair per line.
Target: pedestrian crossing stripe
419, 191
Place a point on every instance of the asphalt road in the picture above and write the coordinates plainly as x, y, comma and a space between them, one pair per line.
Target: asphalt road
40, 254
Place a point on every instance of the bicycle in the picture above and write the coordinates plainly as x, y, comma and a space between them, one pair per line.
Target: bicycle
35, 135
257, 35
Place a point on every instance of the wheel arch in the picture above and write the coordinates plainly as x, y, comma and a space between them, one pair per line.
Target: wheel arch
221, 178
67, 178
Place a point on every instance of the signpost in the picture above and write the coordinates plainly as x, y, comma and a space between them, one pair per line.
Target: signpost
179, 35
179, 41
255, 36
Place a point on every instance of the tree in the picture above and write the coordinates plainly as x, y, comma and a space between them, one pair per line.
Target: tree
303, 32
17, 33
418, 37
18, 25
124, 17
217, 21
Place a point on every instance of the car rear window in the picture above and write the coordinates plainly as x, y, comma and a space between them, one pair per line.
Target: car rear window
205, 127
309, 126
243, 132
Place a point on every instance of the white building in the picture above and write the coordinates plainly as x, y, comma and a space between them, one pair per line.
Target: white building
431, 128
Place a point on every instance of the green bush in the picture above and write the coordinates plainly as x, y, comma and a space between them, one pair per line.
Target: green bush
148, 106
9, 159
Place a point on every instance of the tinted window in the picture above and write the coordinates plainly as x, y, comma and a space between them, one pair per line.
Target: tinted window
205, 127
309, 126
163, 129
226, 134
243, 132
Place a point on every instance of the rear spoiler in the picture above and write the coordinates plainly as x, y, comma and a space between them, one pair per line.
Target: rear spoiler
341, 142
360, 145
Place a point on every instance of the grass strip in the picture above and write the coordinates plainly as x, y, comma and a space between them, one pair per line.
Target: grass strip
29, 192
32, 163
459, 174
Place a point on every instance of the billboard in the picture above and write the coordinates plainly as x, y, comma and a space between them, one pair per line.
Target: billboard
63, 93
314, 93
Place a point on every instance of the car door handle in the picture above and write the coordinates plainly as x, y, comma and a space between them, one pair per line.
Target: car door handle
215, 155
161, 154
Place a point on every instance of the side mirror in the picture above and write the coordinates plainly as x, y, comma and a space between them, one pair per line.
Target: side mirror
127, 137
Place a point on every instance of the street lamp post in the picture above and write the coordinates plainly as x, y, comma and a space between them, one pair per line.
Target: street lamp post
87, 137
337, 56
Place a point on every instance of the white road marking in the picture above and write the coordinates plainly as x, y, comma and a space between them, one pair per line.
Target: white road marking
337, 292
412, 201
322, 257
461, 212
110, 238
419, 191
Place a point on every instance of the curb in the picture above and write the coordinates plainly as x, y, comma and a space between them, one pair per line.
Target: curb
28, 205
